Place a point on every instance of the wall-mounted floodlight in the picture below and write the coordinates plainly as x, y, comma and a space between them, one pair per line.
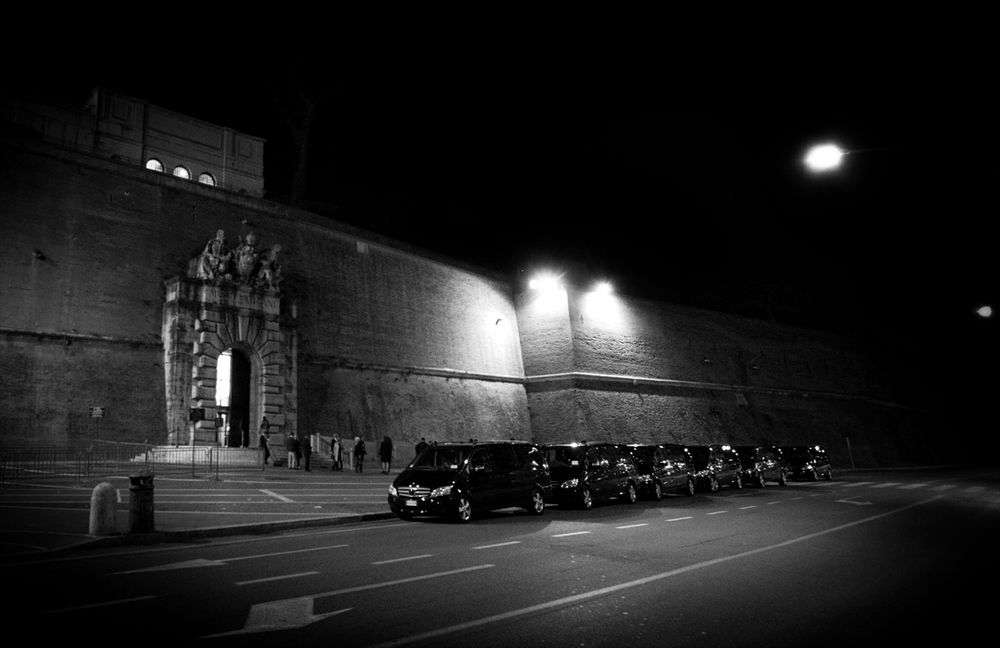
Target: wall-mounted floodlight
824, 157
545, 283
985, 312
603, 288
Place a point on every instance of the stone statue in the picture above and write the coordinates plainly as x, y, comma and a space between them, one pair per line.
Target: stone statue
246, 258
213, 263
270, 272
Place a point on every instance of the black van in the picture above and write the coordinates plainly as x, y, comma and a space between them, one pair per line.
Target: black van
807, 462
716, 465
456, 479
763, 463
584, 473
663, 468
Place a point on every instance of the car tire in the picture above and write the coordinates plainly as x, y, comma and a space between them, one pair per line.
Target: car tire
631, 496
463, 509
761, 482
586, 499
713, 484
813, 475
657, 491
536, 506
782, 478
690, 490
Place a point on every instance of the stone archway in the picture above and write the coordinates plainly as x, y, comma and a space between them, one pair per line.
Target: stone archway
202, 318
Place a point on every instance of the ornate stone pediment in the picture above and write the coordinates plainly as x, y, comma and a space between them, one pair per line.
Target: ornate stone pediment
245, 264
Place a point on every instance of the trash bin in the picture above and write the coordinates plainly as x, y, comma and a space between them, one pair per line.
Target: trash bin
140, 511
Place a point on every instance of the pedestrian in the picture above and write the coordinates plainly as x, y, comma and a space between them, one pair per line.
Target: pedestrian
307, 450
298, 453
385, 453
359, 454
337, 453
421, 445
290, 443
265, 440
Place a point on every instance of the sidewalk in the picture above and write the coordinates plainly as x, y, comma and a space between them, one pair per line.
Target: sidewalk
50, 515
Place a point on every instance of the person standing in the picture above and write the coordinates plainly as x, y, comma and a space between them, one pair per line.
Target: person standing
359, 454
298, 452
307, 450
265, 440
385, 453
337, 453
290, 443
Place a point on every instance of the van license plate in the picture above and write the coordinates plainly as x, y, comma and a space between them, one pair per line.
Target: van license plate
411, 502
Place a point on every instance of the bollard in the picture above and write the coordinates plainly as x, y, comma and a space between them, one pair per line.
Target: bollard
102, 509
140, 511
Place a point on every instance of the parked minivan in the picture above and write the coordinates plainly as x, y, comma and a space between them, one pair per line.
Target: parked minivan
808, 462
716, 465
458, 479
663, 468
584, 473
762, 463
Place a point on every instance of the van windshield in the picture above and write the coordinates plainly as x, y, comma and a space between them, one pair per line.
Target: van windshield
434, 458
565, 461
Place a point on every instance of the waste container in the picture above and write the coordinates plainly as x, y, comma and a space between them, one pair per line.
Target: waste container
140, 510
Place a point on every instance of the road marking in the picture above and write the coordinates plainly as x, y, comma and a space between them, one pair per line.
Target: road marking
298, 612
912, 486
686, 517
796, 498
276, 496
97, 605
886, 484
201, 562
716, 512
276, 578
584, 596
854, 484
743, 508
973, 489
774, 502
632, 526
944, 487
851, 501
573, 533
499, 544
396, 560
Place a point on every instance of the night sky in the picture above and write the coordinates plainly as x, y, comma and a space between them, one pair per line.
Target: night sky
684, 188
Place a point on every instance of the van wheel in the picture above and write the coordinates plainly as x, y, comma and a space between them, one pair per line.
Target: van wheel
713, 484
829, 474
463, 508
813, 475
760, 479
782, 478
537, 504
690, 490
586, 499
657, 491
631, 496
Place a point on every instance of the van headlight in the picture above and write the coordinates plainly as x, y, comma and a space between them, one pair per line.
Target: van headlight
392, 490
571, 483
441, 491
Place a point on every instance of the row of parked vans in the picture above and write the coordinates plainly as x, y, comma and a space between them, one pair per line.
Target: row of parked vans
456, 479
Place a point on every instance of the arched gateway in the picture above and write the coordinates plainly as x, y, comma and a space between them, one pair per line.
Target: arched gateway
228, 305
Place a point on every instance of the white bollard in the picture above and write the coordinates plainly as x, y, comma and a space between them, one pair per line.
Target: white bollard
102, 509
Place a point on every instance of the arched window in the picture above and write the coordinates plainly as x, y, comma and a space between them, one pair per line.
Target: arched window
181, 172
154, 165
206, 179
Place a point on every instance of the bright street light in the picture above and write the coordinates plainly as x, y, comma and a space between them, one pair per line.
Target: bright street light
824, 157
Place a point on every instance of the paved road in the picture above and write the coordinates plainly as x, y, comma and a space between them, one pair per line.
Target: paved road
868, 559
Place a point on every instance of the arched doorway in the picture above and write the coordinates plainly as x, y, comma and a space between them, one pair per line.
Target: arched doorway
232, 396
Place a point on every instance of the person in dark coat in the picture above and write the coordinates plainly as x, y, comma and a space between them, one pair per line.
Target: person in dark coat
265, 440
307, 450
385, 454
359, 454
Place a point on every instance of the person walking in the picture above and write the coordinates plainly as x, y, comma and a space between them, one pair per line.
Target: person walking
290, 443
385, 453
307, 450
298, 452
264, 441
359, 454
421, 445
336, 453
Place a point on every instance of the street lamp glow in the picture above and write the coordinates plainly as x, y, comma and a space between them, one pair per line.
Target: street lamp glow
824, 157
985, 312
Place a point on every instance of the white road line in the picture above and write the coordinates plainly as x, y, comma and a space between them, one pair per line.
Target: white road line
686, 517
97, 605
276, 496
886, 485
774, 502
716, 512
632, 526
796, 498
854, 484
499, 544
276, 578
944, 487
744, 508
573, 533
973, 489
284, 553
396, 560
584, 596
912, 486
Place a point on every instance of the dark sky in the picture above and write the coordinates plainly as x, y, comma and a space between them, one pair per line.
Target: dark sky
692, 192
